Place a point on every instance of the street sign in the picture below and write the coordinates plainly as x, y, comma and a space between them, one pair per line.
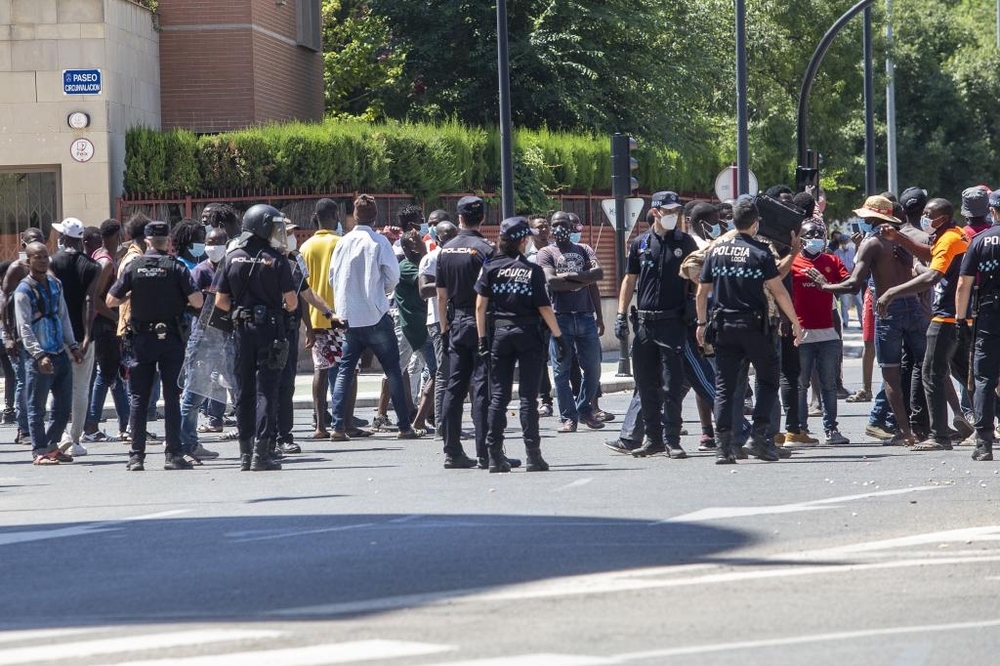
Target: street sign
633, 208
727, 184
82, 82
82, 150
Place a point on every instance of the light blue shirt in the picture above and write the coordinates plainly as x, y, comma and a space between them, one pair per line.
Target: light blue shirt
363, 270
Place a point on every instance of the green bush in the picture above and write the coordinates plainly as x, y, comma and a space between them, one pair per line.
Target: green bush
422, 159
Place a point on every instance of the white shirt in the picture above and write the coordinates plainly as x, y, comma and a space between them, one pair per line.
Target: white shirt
428, 266
363, 270
846, 256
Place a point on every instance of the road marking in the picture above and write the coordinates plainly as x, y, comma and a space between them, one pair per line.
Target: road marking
40, 634
574, 484
986, 533
287, 534
534, 660
135, 643
86, 529
406, 519
718, 513
799, 640
314, 655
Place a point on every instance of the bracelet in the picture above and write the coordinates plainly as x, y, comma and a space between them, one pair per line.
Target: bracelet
702, 323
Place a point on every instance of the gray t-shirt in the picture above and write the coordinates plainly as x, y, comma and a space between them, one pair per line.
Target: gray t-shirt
576, 258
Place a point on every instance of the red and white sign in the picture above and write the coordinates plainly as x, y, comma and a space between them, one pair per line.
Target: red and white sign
727, 183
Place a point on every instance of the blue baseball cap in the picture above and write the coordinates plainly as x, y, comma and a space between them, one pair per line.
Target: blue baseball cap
666, 199
516, 228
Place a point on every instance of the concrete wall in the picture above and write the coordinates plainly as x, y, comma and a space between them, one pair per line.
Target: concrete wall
41, 38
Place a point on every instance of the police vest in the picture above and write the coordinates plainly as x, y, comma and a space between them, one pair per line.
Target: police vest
155, 297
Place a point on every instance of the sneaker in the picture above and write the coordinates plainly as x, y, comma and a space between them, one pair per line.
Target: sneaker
800, 439
621, 446
545, 410
135, 464
833, 438
8, 417
971, 440
358, 433
77, 450
878, 431
815, 410
229, 422
202, 453
288, 447
706, 443
602, 415
173, 461
569, 426
676, 451
95, 437
649, 448
842, 393
230, 435
592, 422
207, 428
963, 427
381, 423
460, 462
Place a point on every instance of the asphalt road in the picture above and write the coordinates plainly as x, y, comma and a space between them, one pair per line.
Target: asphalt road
372, 553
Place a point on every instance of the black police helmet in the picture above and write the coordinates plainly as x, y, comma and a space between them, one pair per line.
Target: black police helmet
260, 221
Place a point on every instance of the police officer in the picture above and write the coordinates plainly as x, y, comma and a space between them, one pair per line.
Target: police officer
982, 264
664, 310
512, 303
160, 289
256, 286
459, 264
737, 271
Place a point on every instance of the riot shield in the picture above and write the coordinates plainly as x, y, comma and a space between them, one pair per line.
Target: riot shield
210, 362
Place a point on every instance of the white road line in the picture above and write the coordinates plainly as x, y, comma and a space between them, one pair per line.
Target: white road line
406, 519
135, 643
313, 655
40, 634
718, 513
574, 484
296, 533
534, 660
986, 533
84, 529
800, 640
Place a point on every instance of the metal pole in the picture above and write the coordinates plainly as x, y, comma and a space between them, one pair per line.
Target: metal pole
506, 143
869, 106
620, 187
742, 113
998, 24
890, 101
810, 75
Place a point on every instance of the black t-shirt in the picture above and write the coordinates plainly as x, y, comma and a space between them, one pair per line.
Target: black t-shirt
983, 259
515, 286
296, 264
77, 273
737, 269
158, 286
657, 261
459, 263
256, 275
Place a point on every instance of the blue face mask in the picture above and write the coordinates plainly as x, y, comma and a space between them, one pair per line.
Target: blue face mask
424, 229
927, 224
434, 233
730, 225
197, 249
340, 228
714, 231
864, 227
575, 237
814, 245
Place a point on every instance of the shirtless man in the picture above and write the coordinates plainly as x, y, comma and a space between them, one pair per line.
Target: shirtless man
890, 266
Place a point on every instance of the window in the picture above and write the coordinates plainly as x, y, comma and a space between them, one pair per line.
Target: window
310, 31
28, 198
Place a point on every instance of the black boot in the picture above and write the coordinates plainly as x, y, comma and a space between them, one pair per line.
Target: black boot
763, 449
176, 461
648, 448
262, 461
984, 450
245, 462
535, 462
498, 463
724, 450
274, 452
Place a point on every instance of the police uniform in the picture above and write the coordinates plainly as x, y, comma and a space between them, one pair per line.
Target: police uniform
982, 259
663, 312
459, 264
286, 392
516, 291
737, 270
256, 276
158, 287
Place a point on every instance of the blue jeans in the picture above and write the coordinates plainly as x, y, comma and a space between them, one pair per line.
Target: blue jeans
38, 385
20, 391
99, 393
580, 331
381, 339
905, 322
822, 357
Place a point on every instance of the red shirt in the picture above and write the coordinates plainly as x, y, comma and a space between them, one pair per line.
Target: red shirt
813, 305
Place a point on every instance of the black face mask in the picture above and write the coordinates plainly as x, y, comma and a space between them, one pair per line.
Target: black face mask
561, 233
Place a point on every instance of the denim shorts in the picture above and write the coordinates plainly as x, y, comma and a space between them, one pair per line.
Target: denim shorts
905, 322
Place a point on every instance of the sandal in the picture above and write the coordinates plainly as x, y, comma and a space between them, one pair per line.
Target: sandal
47, 459
229, 435
567, 426
860, 396
320, 434
205, 428
899, 439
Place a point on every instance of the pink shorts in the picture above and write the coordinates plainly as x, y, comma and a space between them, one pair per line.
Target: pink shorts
327, 348
868, 319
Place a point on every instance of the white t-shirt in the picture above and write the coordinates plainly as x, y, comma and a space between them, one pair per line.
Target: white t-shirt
428, 266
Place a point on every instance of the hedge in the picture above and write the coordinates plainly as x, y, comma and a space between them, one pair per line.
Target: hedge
421, 159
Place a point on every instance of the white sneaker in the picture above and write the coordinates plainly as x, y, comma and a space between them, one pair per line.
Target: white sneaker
77, 450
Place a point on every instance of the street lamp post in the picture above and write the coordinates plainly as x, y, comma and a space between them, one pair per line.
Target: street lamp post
506, 142
869, 106
742, 113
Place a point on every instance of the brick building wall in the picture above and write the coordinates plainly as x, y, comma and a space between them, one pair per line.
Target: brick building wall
228, 64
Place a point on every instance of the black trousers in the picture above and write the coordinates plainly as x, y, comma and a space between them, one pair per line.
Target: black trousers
914, 397
466, 371
9, 380
150, 354
947, 356
658, 362
739, 341
256, 385
521, 346
985, 368
286, 390
545, 387
791, 368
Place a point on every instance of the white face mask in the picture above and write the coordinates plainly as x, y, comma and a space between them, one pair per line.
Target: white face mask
292, 242
215, 253
22, 256
669, 221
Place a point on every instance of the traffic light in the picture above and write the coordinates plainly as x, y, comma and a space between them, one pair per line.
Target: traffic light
806, 177
623, 183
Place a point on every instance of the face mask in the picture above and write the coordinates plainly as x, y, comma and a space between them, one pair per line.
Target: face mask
730, 225
215, 253
340, 228
561, 233
22, 257
669, 222
814, 245
864, 227
208, 229
292, 242
434, 233
714, 231
990, 220
424, 229
197, 249
575, 237
60, 244
927, 224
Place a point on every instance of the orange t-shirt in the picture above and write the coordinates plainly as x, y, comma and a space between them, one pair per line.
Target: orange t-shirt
947, 253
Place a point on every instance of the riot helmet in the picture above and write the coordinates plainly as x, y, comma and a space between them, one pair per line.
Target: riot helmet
267, 223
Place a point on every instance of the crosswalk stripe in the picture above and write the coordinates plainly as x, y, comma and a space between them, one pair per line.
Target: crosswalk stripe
314, 655
38, 634
132, 643
535, 660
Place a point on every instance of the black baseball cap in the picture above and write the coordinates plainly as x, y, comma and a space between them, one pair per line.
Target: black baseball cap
157, 229
471, 206
666, 199
913, 199
516, 228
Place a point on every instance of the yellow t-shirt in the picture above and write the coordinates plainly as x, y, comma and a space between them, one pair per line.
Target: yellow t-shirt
317, 252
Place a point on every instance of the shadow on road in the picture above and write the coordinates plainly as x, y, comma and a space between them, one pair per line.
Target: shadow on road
250, 568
